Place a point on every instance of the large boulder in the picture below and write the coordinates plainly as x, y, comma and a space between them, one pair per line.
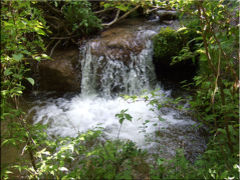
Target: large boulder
120, 59
62, 73
118, 42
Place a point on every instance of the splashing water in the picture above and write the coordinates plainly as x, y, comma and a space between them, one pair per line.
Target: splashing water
104, 78
114, 75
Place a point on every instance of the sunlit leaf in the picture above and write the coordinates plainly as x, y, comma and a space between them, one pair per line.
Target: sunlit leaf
7, 72
18, 57
63, 169
30, 80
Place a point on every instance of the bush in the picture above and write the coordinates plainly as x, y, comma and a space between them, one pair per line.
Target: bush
175, 53
167, 43
170, 44
80, 17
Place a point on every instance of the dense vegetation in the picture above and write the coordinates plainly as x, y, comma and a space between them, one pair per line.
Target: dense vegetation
30, 29
175, 53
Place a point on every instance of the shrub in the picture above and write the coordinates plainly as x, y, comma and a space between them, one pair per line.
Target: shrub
174, 46
80, 17
166, 43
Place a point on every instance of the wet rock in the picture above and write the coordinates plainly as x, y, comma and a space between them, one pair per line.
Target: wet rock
166, 14
117, 43
122, 40
61, 74
181, 136
119, 59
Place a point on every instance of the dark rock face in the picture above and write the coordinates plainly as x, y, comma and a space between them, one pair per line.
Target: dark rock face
177, 72
62, 74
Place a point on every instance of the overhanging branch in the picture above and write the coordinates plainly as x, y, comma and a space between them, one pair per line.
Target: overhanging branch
116, 19
102, 11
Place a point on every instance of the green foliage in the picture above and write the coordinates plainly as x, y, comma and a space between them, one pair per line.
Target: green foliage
83, 157
216, 97
126, 5
166, 43
209, 166
80, 17
21, 37
123, 6
22, 29
123, 115
215, 102
176, 168
218, 161
171, 46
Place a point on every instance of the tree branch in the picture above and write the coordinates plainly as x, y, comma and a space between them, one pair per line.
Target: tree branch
151, 10
54, 47
54, 9
102, 11
52, 17
114, 21
129, 12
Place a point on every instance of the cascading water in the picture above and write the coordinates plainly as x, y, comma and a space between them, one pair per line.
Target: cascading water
106, 75
104, 78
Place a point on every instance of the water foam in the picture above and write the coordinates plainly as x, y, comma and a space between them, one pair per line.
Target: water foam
103, 79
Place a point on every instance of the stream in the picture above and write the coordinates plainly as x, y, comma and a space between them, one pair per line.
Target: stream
114, 64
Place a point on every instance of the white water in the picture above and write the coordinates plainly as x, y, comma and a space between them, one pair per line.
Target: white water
114, 75
99, 102
89, 110
67, 118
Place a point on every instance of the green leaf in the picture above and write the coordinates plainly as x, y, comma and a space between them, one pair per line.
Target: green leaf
26, 52
38, 58
30, 80
5, 141
63, 169
8, 172
123, 111
160, 118
4, 92
107, 5
221, 130
7, 72
17, 57
121, 120
182, 29
41, 32
128, 117
160, 161
122, 8
45, 56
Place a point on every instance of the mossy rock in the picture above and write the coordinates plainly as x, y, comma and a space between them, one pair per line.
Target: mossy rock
168, 43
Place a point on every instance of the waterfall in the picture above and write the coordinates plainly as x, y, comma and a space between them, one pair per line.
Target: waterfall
120, 69
108, 76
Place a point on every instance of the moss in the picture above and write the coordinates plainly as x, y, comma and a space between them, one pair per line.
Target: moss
169, 42
174, 55
166, 43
